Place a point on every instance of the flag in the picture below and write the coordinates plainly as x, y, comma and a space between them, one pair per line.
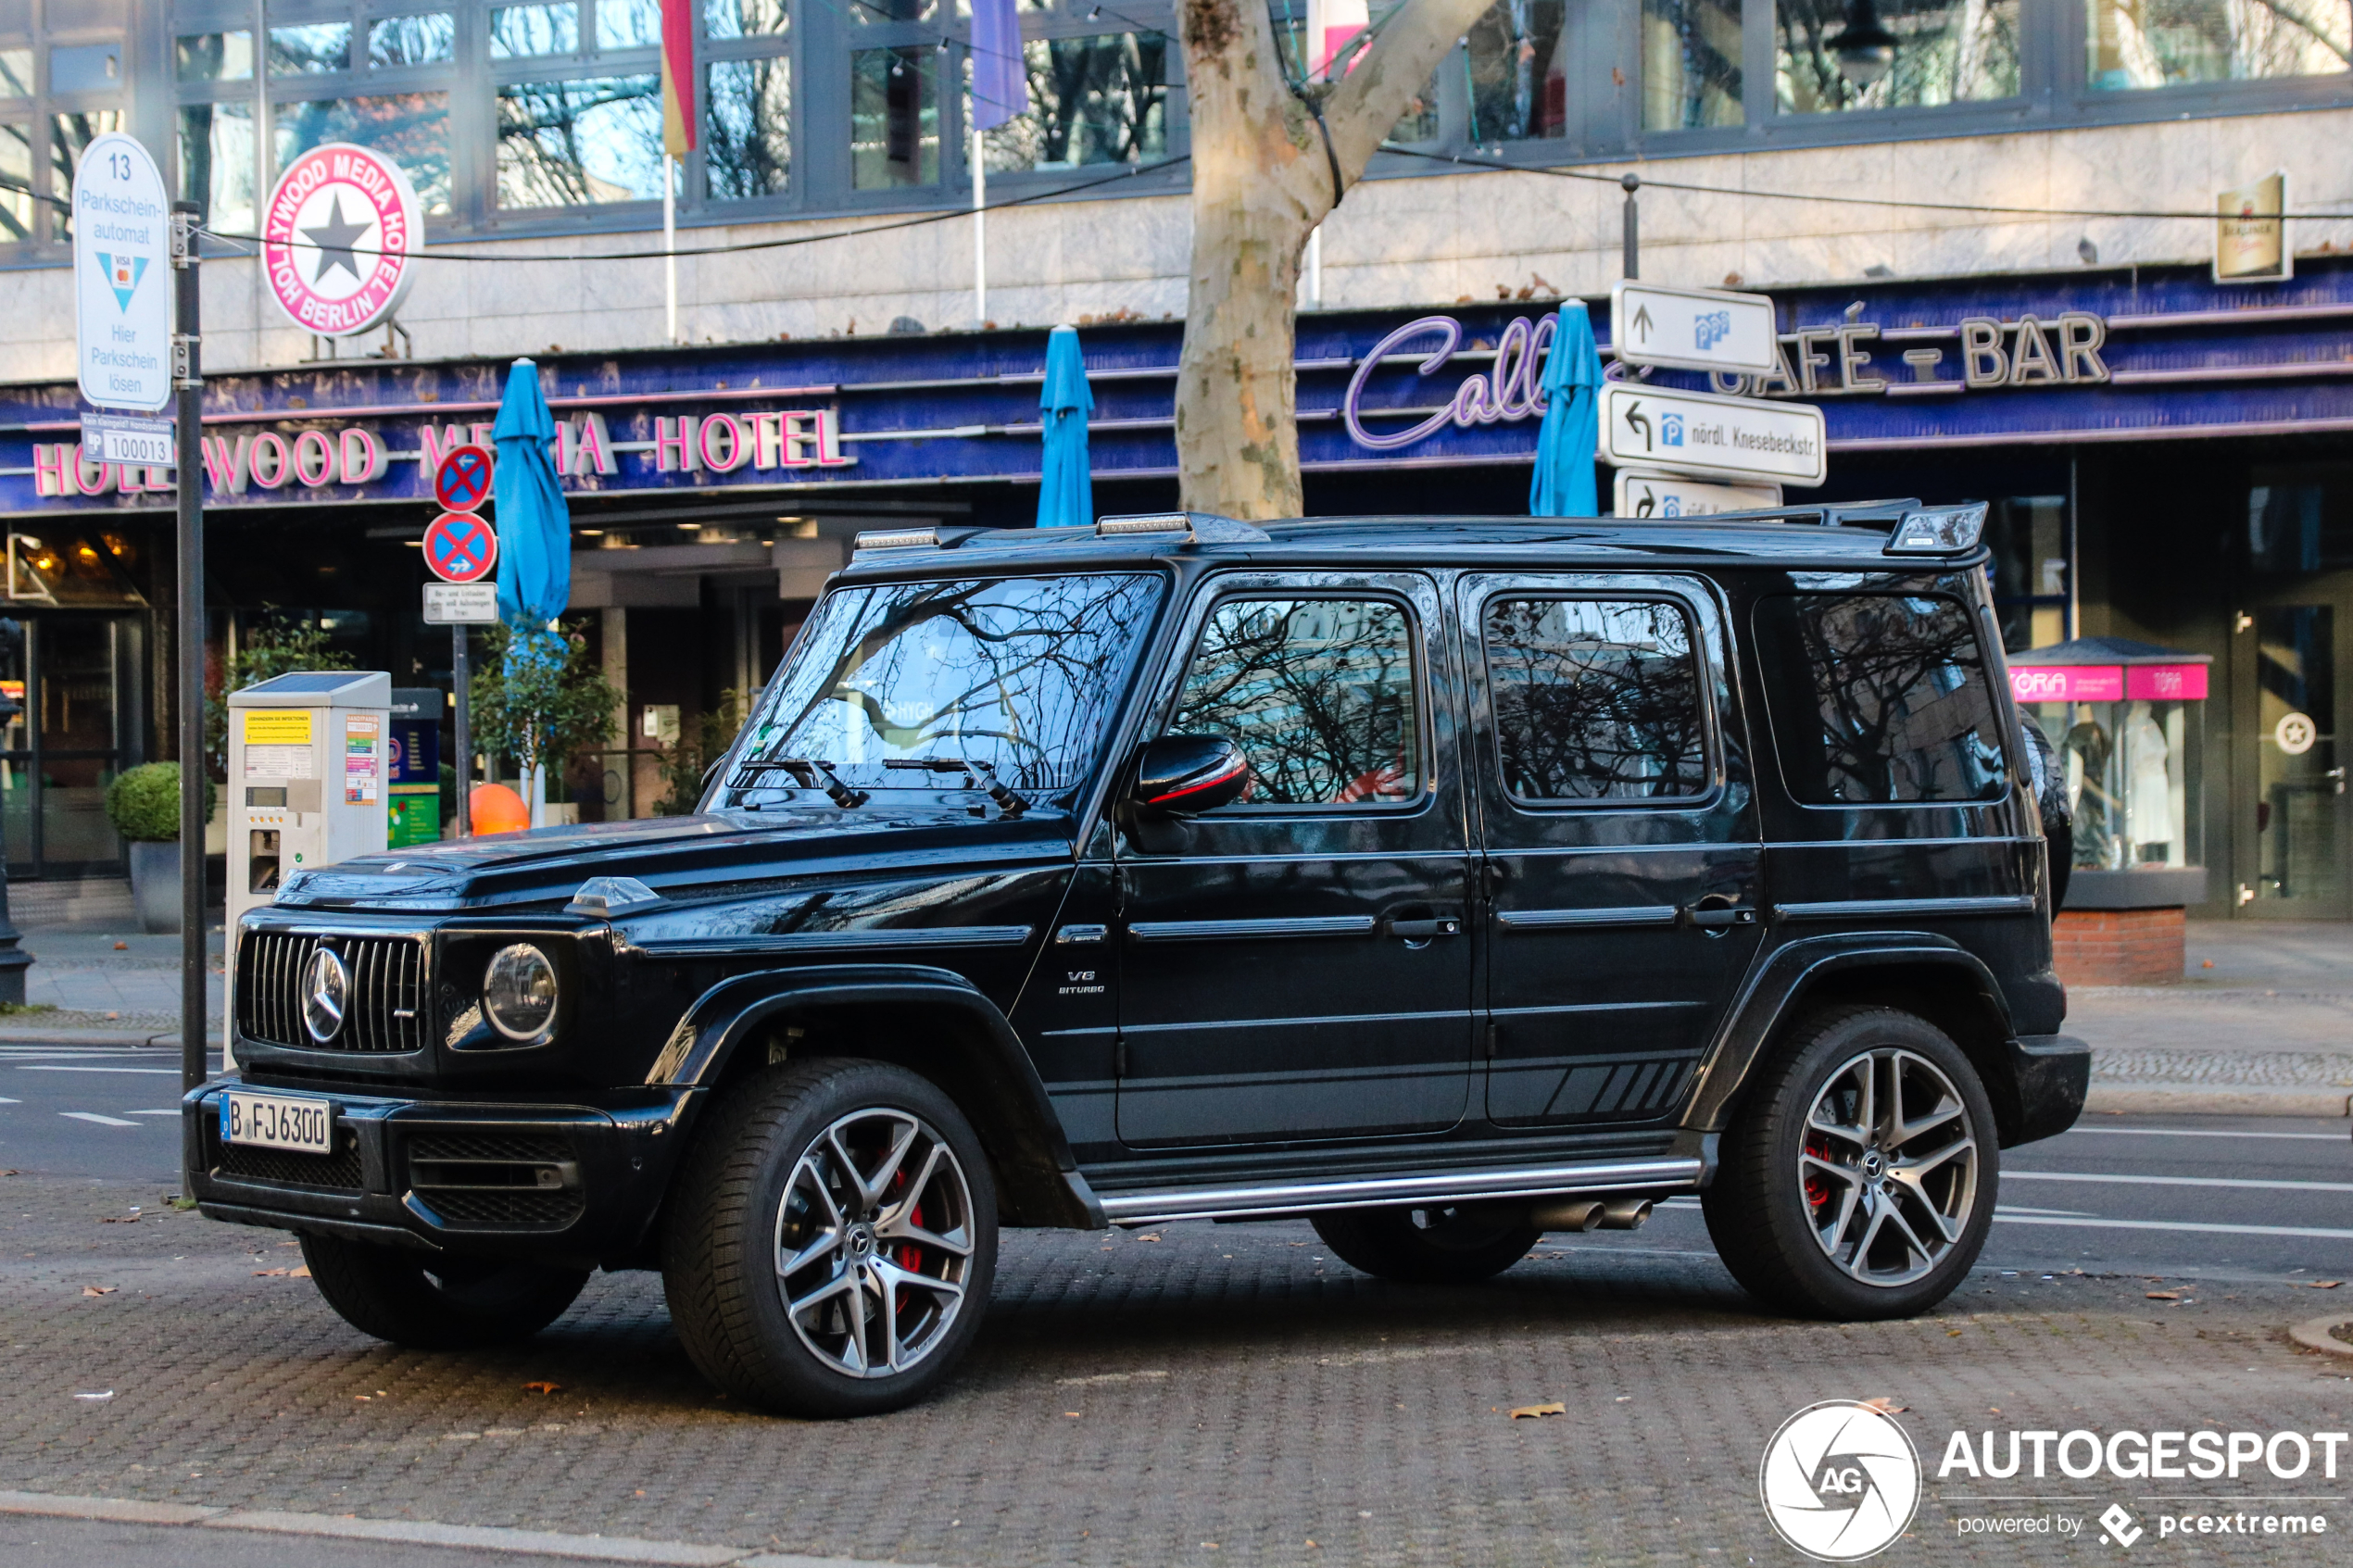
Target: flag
677, 77
1000, 83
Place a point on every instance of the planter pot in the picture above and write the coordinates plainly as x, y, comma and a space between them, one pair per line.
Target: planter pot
155, 884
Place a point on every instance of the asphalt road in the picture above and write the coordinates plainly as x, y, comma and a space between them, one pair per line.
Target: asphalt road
2227, 1197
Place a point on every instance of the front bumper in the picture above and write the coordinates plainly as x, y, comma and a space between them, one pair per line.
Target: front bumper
2049, 1074
574, 1182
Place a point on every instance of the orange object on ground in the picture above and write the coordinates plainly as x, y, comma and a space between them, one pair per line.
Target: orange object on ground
496, 809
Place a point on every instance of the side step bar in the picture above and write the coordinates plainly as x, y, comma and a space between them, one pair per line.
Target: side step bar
1666, 1173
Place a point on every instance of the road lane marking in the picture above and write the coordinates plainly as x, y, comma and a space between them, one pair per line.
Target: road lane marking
2177, 1181
2203, 1133
2173, 1225
6, 1101
2077, 1213
173, 1111
94, 1116
160, 1072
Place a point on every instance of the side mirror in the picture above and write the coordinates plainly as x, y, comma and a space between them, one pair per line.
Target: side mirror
1184, 775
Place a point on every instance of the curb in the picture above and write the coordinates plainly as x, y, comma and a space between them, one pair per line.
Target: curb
21, 1035
2214, 1100
417, 1532
2314, 1334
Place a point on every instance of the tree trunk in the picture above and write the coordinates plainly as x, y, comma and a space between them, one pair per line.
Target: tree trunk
1263, 178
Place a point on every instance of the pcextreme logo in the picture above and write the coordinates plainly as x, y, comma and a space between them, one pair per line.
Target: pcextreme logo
1840, 1481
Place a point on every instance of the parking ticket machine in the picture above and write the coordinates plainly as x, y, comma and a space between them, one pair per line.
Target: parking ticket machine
308, 772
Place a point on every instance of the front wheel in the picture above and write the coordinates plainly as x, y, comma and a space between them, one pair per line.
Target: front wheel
1858, 1180
433, 1302
833, 1239
1445, 1244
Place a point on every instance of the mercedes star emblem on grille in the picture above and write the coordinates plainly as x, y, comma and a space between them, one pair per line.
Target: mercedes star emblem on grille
326, 994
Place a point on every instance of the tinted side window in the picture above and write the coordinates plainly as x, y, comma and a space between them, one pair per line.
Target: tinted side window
1878, 698
1594, 700
1319, 694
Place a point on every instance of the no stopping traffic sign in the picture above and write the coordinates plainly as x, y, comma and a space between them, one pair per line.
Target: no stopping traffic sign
460, 547
462, 482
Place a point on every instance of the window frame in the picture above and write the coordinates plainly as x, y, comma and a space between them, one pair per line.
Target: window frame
1215, 596
1696, 626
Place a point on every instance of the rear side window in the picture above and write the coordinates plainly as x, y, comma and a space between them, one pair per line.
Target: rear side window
1878, 698
1594, 700
1319, 694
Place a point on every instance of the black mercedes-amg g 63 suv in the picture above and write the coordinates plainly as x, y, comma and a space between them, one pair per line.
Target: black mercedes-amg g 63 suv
1444, 882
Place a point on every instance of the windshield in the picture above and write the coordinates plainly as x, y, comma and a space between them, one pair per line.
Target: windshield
1020, 674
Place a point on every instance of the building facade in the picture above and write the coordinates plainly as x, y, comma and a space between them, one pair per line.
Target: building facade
1992, 264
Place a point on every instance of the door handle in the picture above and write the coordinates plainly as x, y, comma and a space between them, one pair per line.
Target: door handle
1715, 913
1422, 930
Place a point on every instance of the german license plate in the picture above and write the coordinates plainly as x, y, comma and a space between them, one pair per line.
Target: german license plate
277, 1122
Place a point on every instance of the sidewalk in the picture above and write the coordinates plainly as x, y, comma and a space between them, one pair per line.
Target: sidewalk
2267, 1031
108, 987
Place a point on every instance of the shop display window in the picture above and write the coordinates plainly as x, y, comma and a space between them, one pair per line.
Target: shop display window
2126, 719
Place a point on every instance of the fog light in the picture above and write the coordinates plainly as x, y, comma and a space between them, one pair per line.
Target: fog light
519, 992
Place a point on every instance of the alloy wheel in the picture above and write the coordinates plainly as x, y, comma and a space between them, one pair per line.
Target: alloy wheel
874, 1243
1888, 1169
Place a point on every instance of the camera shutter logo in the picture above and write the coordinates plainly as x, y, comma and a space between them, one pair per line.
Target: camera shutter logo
1840, 1481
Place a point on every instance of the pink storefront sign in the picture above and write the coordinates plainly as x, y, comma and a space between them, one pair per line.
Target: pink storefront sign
2068, 683
2165, 682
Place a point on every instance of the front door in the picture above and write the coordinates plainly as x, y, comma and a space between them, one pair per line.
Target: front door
1622, 846
1295, 966
2290, 681
76, 677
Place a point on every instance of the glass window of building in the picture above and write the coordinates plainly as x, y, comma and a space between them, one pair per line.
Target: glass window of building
1947, 52
2158, 43
412, 129
894, 117
70, 135
309, 48
16, 73
744, 19
428, 40
217, 155
213, 56
747, 133
1691, 64
1092, 100
628, 24
572, 143
85, 67
522, 32
16, 182
1517, 70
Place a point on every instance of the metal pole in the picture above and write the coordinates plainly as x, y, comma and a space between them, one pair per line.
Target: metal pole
669, 259
1632, 268
187, 380
980, 226
462, 679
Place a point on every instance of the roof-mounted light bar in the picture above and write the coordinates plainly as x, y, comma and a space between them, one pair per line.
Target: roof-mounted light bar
1145, 523
1939, 531
900, 539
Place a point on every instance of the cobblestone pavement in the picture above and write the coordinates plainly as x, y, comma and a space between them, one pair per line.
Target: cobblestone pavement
1197, 1395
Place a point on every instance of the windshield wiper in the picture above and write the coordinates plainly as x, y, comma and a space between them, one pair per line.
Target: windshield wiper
981, 774
809, 772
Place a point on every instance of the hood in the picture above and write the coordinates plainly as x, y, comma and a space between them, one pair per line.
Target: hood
679, 858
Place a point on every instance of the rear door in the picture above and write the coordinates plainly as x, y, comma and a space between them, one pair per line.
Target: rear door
1296, 966
1622, 857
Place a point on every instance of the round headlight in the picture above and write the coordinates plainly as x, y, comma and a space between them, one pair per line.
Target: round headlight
519, 992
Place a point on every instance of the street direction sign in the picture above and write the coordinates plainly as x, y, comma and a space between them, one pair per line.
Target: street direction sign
1665, 495
1709, 436
126, 438
460, 547
1692, 328
462, 603
121, 276
462, 482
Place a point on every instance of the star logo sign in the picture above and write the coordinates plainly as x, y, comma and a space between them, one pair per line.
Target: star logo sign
334, 239
122, 274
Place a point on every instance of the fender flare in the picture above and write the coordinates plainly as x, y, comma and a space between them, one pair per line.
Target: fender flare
1779, 988
1003, 1094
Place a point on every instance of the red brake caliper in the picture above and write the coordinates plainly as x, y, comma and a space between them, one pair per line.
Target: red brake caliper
1818, 1192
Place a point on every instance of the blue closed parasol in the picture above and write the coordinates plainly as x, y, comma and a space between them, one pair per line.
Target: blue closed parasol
1564, 485
535, 538
1066, 496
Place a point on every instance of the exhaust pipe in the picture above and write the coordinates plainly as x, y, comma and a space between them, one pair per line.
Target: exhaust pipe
1591, 1214
1625, 1214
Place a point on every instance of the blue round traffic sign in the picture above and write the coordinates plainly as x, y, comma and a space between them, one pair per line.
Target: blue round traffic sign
462, 482
460, 547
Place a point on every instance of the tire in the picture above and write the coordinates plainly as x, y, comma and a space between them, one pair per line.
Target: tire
803, 1275
1442, 1246
429, 1301
1823, 1207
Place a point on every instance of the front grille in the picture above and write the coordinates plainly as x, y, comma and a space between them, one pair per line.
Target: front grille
284, 1167
386, 1011
495, 1180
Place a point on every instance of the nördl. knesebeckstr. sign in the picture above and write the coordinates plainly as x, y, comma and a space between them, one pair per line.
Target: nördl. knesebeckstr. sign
338, 239
122, 276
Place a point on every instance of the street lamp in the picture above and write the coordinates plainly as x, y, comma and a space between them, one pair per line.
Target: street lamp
1865, 49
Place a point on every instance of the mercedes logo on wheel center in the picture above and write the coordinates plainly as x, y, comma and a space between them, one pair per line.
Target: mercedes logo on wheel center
338, 237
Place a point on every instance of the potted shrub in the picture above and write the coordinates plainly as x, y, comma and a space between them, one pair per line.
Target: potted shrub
144, 804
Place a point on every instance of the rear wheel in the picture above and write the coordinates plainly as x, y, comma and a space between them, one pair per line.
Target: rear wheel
833, 1239
1446, 1245
432, 1302
1858, 1180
